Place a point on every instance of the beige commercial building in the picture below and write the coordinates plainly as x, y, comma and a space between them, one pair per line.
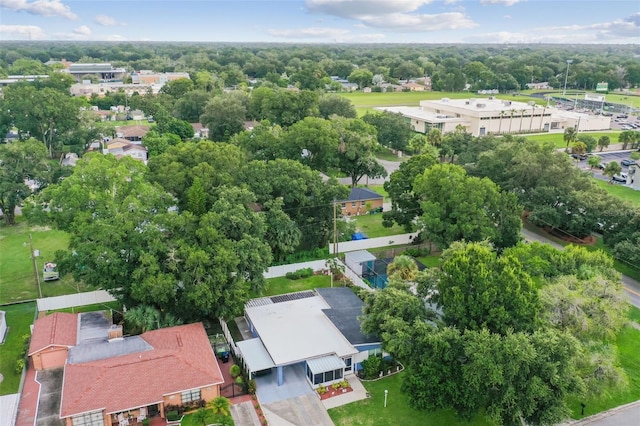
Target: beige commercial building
492, 116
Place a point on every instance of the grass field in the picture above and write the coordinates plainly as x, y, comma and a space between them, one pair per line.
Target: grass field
371, 411
628, 343
282, 285
91, 308
19, 317
558, 138
365, 102
16, 267
371, 225
430, 261
620, 191
124, 123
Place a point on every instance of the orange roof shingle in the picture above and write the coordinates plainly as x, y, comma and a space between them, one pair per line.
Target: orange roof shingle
59, 329
181, 359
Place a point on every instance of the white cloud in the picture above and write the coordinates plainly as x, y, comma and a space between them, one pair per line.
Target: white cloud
115, 37
28, 32
82, 30
107, 21
355, 9
40, 7
503, 2
619, 30
398, 15
311, 32
422, 22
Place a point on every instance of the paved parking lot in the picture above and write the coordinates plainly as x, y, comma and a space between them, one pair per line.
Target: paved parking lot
606, 158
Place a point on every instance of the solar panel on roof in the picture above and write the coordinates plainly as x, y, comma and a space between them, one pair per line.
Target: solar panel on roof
292, 296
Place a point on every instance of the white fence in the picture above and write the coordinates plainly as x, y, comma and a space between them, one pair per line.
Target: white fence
355, 279
392, 240
281, 271
73, 300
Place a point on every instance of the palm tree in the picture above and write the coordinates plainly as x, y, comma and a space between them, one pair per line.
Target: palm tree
544, 109
521, 118
510, 120
143, 318
403, 267
604, 142
502, 113
533, 113
220, 405
626, 137
570, 136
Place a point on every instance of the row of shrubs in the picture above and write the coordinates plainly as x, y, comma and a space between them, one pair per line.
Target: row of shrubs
300, 273
417, 252
335, 386
374, 365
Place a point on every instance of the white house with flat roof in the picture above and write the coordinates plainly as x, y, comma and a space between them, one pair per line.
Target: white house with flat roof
492, 116
317, 329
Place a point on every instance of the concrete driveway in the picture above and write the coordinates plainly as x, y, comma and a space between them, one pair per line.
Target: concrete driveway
305, 410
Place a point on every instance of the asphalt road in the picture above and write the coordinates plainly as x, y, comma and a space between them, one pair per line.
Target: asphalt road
631, 286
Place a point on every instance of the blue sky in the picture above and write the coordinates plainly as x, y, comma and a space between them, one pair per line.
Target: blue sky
324, 21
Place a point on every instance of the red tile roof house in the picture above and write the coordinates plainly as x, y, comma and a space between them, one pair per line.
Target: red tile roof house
121, 378
52, 337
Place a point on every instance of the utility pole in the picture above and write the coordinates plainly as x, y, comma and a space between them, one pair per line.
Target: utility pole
335, 230
35, 266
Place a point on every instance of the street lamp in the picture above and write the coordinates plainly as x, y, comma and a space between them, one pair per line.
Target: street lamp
564, 92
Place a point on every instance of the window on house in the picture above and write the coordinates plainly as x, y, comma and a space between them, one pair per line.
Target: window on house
191, 395
318, 378
354, 204
328, 376
89, 419
344, 205
362, 203
348, 362
337, 374
376, 351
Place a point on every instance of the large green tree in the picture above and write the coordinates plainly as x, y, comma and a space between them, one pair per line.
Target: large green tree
127, 238
314, 142
357, 145
394, 130
20, 161
44, 114
224, 115
458, 207
476, 289
405, 203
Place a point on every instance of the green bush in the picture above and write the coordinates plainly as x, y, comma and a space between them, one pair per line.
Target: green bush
371, 367
173, 416
300, 273
20, 366
234, 370
251, 386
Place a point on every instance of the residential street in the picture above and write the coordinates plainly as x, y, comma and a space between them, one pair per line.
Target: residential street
631, 286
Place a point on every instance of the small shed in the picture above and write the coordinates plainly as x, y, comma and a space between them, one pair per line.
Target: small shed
357, 260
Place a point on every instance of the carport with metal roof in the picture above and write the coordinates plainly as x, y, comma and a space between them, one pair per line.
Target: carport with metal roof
255, 355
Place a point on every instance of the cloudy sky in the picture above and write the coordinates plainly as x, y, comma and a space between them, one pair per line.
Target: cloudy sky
325, 21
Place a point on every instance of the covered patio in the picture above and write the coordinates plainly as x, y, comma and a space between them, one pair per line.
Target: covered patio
325, 370
255, 356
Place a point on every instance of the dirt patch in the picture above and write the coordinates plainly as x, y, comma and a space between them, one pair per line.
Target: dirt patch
40, 228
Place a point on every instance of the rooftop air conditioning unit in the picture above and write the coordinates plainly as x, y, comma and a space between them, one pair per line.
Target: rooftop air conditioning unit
491, 98
507, 103
445, 99
481, 105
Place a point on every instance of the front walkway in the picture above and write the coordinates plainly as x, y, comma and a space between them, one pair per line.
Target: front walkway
359, 393
295, 384
244, 414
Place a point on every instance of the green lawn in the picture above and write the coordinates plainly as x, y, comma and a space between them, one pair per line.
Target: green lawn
620, 191
385, 154
628, 343
430, 261
283, 285
371, 225
16, 267
19, 317
371, 411
558, 138
211, 418
124, 123
634, 314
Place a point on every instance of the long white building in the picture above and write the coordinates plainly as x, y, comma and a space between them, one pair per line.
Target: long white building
492, 116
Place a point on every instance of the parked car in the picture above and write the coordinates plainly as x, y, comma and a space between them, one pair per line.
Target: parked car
602, 166
579, 156
622, 178
627, 162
